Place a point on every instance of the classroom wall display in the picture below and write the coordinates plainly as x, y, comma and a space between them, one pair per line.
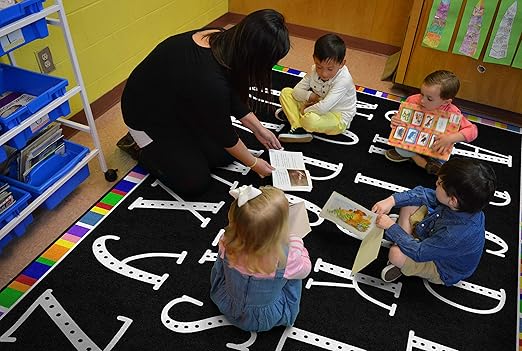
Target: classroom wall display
419, 129
474, 27
441, 24
506, 33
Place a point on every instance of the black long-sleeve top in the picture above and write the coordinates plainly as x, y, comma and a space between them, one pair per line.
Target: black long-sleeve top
181, 85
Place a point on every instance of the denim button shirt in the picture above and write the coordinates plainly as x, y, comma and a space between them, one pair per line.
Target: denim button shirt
453, 240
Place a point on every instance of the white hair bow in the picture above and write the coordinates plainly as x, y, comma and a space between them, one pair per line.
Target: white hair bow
244, 193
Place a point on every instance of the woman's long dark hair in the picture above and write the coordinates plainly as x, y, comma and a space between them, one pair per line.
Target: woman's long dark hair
251, 48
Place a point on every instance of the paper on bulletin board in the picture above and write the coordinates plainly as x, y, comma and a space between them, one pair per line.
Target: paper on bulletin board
441, 24
474, 27
517, 61
369, 249
506, 33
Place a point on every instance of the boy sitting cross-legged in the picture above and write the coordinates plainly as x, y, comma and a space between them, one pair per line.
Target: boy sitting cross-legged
440, 233
324, 100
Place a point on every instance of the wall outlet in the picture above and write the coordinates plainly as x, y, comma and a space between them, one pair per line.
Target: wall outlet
45, 60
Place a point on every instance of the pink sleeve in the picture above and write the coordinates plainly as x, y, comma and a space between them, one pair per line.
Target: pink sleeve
468, 129
414, 99
298, 264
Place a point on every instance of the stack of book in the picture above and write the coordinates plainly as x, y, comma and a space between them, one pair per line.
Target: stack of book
6, 198
6, 3
47, 143
10, 101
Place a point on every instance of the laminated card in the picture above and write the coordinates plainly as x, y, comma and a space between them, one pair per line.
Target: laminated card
420, 129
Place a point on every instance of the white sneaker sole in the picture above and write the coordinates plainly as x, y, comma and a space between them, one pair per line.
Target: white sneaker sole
297, 138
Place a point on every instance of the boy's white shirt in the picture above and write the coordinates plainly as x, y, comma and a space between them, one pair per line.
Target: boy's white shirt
338, 94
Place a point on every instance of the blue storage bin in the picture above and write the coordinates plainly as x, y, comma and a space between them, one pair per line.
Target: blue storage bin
45, 88
26, 34
22, 199
3, 154
46, 173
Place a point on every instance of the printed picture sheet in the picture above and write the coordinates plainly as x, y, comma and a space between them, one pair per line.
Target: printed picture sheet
349, 215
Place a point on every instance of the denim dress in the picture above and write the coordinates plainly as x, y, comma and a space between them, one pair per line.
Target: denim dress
252, 303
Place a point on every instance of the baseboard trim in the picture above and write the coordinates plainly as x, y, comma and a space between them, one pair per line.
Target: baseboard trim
112, 97
309, 33
98, 108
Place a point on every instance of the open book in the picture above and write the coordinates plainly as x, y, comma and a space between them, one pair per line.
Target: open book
358, 220
420, 129
290, 173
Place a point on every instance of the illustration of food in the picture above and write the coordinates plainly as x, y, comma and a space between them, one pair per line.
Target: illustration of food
355, 218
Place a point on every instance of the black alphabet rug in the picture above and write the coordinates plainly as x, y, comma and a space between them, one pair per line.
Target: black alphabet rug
133, 272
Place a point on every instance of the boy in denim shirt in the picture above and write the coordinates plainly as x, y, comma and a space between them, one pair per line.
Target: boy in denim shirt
440, 233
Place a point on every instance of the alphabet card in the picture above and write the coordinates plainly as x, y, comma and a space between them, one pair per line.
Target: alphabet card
419, 129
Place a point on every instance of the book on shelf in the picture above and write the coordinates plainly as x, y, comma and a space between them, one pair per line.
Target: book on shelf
6, 198
45, 144
11, 101
290, 173
420, 129
6, 3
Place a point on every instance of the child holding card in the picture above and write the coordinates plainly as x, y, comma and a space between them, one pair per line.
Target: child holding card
436, 93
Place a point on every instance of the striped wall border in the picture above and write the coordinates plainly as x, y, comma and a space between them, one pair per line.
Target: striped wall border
57, 251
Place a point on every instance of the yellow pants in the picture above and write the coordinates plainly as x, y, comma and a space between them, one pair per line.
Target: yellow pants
330, 123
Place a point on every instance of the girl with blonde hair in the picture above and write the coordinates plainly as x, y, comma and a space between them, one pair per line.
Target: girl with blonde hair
256, 279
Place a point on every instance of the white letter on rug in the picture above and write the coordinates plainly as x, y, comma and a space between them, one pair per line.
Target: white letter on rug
200, 325
65, 323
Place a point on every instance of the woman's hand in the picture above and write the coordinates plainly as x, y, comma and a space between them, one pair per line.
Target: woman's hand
263, 135
267, 139
262, 168
384, 206
384, 221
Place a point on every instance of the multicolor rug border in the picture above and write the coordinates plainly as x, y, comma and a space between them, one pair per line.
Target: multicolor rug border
42, 265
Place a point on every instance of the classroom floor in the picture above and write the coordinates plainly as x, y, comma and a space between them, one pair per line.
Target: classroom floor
366, 69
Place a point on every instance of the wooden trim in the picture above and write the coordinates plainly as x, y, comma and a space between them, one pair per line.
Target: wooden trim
98, 107
313, 33
112, 97
409, 40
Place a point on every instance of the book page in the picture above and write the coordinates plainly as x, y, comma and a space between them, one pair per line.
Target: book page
286, 159
369, 249
349, 215
292, 179
298, 220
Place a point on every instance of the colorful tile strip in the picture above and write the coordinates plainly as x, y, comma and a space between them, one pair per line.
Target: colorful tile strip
35, 271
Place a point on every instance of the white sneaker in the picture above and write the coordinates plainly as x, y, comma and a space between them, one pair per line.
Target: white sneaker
296, 135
